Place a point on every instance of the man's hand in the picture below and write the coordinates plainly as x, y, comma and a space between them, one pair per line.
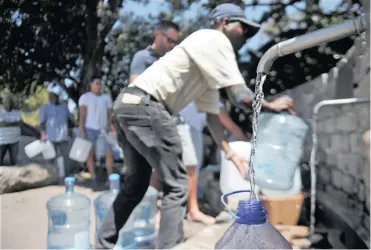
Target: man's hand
83, 133
282, 103
43, 137
240, 163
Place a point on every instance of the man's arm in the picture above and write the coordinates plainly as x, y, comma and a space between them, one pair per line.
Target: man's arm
132, 78
109, 114
42, 123
83, 111
137, 66
217, 132
230, 125
242, 97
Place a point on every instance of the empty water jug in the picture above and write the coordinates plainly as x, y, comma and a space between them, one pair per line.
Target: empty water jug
69, 219
139, 231
279, 149
80, 150
48, 151
34, 148
103, 202
251, 230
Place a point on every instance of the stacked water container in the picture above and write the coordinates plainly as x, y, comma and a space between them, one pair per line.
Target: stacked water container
69, 219
139, 230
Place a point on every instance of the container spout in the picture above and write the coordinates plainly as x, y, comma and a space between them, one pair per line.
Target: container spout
312, 39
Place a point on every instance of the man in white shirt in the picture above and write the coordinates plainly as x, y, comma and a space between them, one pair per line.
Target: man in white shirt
96, 118
10, 130
194, 70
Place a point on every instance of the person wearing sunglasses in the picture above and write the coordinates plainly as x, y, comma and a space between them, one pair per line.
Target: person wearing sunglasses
166, 37
194, 70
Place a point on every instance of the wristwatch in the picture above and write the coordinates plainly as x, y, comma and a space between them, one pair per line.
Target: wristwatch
230, 154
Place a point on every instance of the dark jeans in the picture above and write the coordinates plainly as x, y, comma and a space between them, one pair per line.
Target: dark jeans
62, 149
13, 153
149, 139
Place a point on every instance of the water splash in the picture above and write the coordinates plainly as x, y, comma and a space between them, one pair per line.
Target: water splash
256, 105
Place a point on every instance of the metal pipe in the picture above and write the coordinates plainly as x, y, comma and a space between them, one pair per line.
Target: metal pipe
312, 161
315, 38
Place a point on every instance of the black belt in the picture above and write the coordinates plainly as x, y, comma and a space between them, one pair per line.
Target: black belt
141, 93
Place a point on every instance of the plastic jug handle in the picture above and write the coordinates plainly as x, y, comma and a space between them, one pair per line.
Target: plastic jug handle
222, 198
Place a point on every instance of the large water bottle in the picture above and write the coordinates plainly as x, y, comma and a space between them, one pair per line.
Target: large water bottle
69, 219
139, 230
279, 149
104, 201
251, 230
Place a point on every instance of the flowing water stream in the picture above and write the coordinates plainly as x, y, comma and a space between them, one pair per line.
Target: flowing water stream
256, 105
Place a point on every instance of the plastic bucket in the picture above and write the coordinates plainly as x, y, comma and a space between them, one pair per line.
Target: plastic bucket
48, 151
230, 177
34, 148
80, 150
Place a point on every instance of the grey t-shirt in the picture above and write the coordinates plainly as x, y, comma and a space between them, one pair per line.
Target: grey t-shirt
142, 60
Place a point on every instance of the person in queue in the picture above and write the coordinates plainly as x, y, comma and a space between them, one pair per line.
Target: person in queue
166, 37
194, 70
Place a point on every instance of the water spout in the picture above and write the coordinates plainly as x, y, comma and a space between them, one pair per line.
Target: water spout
312, 39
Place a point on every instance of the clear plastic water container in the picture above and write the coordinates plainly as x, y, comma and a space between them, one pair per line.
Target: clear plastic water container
251, 230
69, 219
139, 230
280, 147
104, 201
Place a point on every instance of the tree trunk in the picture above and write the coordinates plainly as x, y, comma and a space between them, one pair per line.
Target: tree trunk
96, 41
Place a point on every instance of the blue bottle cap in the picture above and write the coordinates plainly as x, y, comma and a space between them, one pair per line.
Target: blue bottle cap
69, 179
114, 177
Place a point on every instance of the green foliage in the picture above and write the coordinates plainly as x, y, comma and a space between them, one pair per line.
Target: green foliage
40, 40
44, 39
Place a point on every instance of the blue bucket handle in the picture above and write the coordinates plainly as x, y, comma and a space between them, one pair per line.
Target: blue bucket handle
222, 198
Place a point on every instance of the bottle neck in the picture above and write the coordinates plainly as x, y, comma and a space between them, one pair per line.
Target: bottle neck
69, 187
251, 212
114, 186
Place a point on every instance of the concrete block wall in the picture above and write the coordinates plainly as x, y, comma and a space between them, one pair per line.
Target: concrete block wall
341, 162
343, 157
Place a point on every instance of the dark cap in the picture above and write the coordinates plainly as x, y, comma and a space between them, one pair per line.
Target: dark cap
234, 13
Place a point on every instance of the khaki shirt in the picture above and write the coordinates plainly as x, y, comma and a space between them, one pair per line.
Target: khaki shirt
194, 70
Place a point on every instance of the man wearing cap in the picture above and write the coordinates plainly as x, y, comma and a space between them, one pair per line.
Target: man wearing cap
166, 37
194, 70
